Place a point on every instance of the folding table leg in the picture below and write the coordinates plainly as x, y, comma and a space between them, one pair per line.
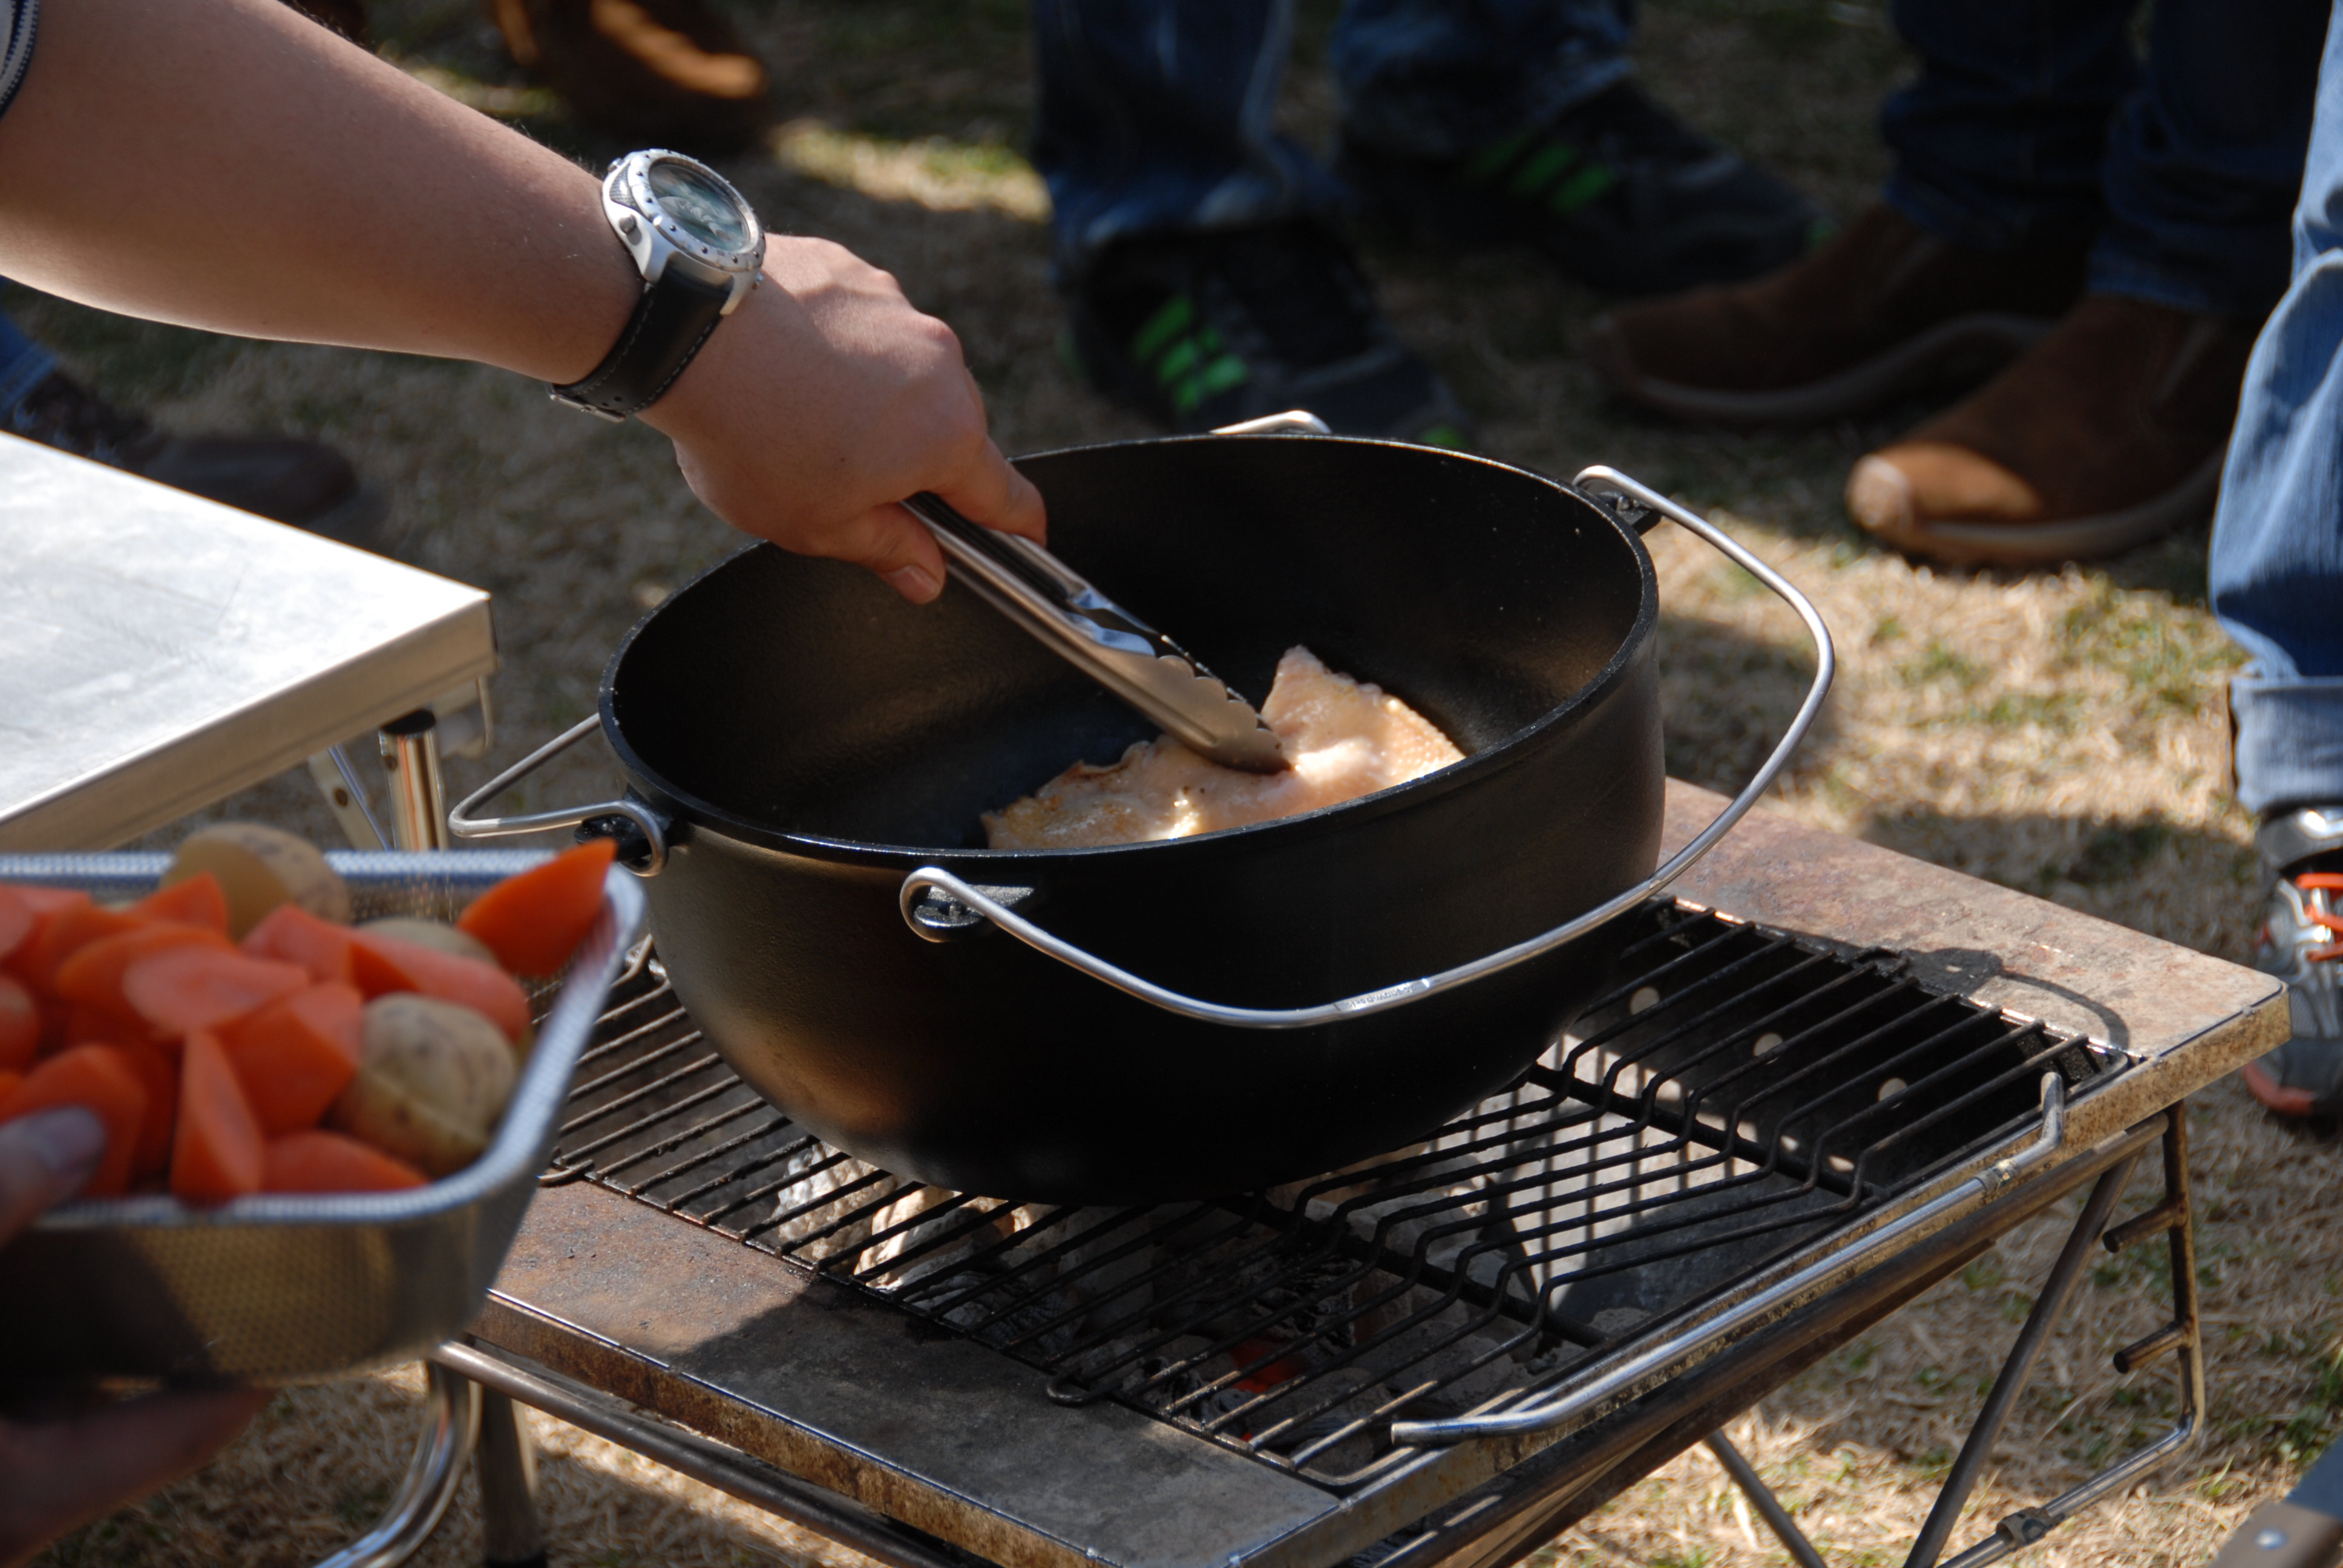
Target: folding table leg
2170, 1219
337, 777
2015, 1373
419, 803
511, 1534
2018, 1371
1768, 1506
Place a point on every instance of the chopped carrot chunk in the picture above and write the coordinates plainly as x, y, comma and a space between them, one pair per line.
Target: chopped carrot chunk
534, 922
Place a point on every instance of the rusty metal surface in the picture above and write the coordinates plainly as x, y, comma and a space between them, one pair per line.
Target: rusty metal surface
916, 1423
959, 1442
962, 1441
1998, 946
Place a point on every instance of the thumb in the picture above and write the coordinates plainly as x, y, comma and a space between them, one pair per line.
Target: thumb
43, 1159
990, 491
896, 546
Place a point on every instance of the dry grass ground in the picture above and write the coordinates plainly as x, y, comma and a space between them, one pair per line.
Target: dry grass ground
2059, 733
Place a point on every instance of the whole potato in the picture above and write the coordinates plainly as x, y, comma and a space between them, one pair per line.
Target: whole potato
433, 1078
436, 935
259, 867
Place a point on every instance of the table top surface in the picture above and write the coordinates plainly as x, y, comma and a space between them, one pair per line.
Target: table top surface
159, 652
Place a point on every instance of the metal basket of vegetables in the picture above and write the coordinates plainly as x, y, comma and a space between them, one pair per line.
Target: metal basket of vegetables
329, 1083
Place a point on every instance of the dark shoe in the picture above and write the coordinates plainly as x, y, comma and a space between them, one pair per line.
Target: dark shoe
1200, 330
2108, 433
2301, 942
304, 483
1618, 192
1885, 309
669, 72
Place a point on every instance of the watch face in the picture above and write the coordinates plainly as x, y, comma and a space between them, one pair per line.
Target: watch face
702, 207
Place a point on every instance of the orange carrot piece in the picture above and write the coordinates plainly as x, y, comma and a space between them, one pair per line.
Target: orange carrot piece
534, 922
196, 901
45, 905
320, 1161
44, 900
63, 933
294, 935
20, 1025
385, 964
159, 1076
97, 1026
297, 1053
16, 918
216, 1152
102, 1080
182, 989
92, 977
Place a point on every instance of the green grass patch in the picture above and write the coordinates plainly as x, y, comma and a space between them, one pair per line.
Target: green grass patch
1941, 662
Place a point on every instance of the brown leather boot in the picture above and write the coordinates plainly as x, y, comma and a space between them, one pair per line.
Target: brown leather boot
670, 72
1882, 311
2105, 435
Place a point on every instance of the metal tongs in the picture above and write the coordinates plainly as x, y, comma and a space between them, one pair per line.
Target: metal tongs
1139, 664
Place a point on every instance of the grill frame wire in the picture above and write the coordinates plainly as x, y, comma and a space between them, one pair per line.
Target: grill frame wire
1286, 1373
1501, 1523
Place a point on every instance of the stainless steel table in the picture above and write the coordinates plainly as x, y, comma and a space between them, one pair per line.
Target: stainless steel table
158, 651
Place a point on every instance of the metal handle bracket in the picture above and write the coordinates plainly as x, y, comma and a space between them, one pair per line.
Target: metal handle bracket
465, 825
1602, 482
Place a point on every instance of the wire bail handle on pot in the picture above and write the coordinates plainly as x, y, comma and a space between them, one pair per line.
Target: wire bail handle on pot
1609, 487
647, 857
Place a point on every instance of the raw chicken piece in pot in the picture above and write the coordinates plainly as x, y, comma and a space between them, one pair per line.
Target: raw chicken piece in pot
1344, 739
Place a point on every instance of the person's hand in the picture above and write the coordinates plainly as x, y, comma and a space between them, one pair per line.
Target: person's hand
825, 399
57, 1474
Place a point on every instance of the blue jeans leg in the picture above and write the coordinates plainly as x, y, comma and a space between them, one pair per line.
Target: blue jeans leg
1438, 80
23, 364
1155, 115
2204, 161
2033, 122
2277, 565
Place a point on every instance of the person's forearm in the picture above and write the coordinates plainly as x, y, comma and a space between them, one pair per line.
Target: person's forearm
227, 164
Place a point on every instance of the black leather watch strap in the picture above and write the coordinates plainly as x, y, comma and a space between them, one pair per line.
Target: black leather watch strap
670, 322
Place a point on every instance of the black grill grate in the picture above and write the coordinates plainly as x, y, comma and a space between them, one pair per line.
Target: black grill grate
1737, 1094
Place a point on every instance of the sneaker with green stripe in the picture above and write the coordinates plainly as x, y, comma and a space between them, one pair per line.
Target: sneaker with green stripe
1205, 329
1620, 193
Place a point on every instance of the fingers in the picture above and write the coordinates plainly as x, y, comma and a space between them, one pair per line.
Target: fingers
991, 492
43, 1159
56, 1475
899, 547
895, 545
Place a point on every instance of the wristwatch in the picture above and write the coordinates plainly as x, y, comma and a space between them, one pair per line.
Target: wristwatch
699, 248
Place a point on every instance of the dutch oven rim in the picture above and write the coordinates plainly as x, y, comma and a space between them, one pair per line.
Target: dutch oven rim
691, 809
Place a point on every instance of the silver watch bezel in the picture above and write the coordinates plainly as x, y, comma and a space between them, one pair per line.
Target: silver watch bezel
657, 241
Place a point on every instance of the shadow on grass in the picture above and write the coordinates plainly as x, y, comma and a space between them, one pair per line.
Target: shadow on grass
1727, 699
2041, 853
321, 1464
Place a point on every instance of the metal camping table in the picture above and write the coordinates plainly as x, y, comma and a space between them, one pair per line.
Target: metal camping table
671, 1291
159, 652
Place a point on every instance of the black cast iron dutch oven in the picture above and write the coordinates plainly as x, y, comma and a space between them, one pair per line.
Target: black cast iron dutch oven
808, 756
